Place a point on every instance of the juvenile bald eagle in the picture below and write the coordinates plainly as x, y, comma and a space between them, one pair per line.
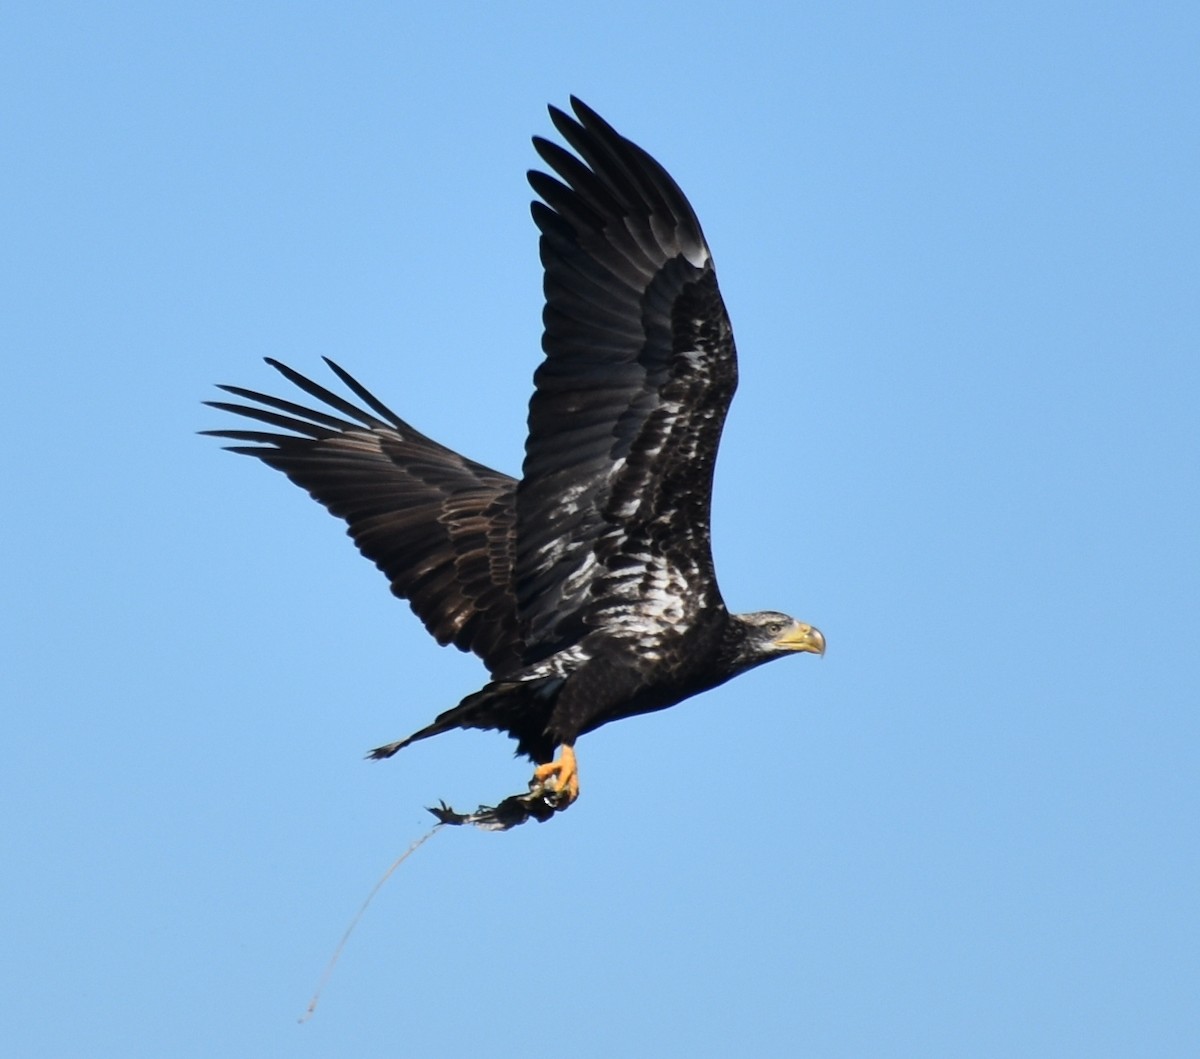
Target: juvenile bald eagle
587, 587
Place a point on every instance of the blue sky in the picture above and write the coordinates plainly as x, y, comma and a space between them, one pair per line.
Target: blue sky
959, 244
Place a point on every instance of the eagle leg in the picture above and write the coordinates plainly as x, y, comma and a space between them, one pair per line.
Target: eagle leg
559, 778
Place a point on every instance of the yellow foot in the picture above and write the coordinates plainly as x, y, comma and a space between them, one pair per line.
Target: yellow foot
563, 776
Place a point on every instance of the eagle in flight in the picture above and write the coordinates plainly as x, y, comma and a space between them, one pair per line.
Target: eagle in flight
586, 586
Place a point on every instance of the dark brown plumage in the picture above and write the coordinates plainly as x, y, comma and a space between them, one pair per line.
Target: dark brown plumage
587, 587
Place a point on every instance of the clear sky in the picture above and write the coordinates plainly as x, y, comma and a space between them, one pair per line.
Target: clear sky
960, 247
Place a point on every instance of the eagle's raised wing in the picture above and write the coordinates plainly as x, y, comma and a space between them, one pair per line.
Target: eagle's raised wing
613, 509
438, 525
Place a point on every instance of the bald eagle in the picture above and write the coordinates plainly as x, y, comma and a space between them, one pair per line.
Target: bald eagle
586, 587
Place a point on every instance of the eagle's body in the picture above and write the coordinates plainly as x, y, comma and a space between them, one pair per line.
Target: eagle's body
587, 587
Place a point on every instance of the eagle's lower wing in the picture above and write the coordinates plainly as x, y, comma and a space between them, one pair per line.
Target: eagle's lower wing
624, 425
438, 525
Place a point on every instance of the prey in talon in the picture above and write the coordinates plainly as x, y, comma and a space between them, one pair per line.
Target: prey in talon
558, 781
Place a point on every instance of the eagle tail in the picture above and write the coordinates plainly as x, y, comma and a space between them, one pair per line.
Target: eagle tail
520, 707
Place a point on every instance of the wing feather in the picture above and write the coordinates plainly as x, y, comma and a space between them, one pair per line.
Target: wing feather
440, 526
610, 525
630, 400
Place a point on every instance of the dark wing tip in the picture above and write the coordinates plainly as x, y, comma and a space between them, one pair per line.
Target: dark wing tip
590, 119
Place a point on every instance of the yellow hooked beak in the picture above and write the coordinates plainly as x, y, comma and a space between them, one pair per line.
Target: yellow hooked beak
801, 637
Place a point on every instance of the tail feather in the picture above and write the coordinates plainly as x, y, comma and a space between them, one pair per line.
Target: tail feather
520, 707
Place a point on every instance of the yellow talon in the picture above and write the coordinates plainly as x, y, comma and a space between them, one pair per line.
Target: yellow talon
565, 777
